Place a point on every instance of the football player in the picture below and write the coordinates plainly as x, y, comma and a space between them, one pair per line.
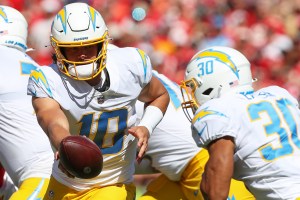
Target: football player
250, 136
91, 90
25, 151
174, 153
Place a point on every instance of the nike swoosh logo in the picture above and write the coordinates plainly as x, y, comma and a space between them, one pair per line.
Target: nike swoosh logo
232, 198
195, 193
202, 130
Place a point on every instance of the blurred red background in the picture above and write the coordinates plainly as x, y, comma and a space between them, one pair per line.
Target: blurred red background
267, 32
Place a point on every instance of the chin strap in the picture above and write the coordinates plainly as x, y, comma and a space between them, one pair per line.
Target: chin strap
83, 71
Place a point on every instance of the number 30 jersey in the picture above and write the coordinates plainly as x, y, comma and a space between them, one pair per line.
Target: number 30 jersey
266, 131
102, 116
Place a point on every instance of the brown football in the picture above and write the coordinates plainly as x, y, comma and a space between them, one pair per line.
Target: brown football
81, 157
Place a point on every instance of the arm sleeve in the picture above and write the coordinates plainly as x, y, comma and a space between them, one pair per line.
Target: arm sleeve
209, 125
143, 67
38, 85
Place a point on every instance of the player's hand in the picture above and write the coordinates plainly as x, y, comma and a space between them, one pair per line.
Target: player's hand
142, 134
61, 167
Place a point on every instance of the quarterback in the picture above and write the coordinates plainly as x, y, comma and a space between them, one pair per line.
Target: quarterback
91, 90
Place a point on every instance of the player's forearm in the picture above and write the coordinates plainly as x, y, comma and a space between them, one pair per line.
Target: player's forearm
52, 119
155, 94
56, 126
56, 132
154, 112
219, 169
215, 184
161, 102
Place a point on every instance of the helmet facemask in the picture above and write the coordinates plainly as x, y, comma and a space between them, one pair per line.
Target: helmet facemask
81, 70
188, 89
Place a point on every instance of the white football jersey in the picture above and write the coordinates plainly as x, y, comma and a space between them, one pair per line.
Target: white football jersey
102, 116
171, 145
25, 150
266, 131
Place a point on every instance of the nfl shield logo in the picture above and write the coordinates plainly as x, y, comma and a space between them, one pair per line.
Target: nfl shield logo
100, 99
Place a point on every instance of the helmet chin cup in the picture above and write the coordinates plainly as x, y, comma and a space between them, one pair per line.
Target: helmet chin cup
83, 71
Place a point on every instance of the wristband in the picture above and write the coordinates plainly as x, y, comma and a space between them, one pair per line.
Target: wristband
151, 118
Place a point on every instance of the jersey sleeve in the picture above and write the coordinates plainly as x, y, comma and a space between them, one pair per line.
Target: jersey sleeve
143, 67
210, 124
38, 85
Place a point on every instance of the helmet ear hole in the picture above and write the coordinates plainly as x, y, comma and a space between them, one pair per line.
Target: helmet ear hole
208, 91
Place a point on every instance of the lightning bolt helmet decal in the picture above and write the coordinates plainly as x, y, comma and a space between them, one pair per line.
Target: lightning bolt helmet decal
220, 56
3, 14
93, 16
63, 18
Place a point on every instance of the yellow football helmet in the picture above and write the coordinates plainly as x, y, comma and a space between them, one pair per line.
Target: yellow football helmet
78, 25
